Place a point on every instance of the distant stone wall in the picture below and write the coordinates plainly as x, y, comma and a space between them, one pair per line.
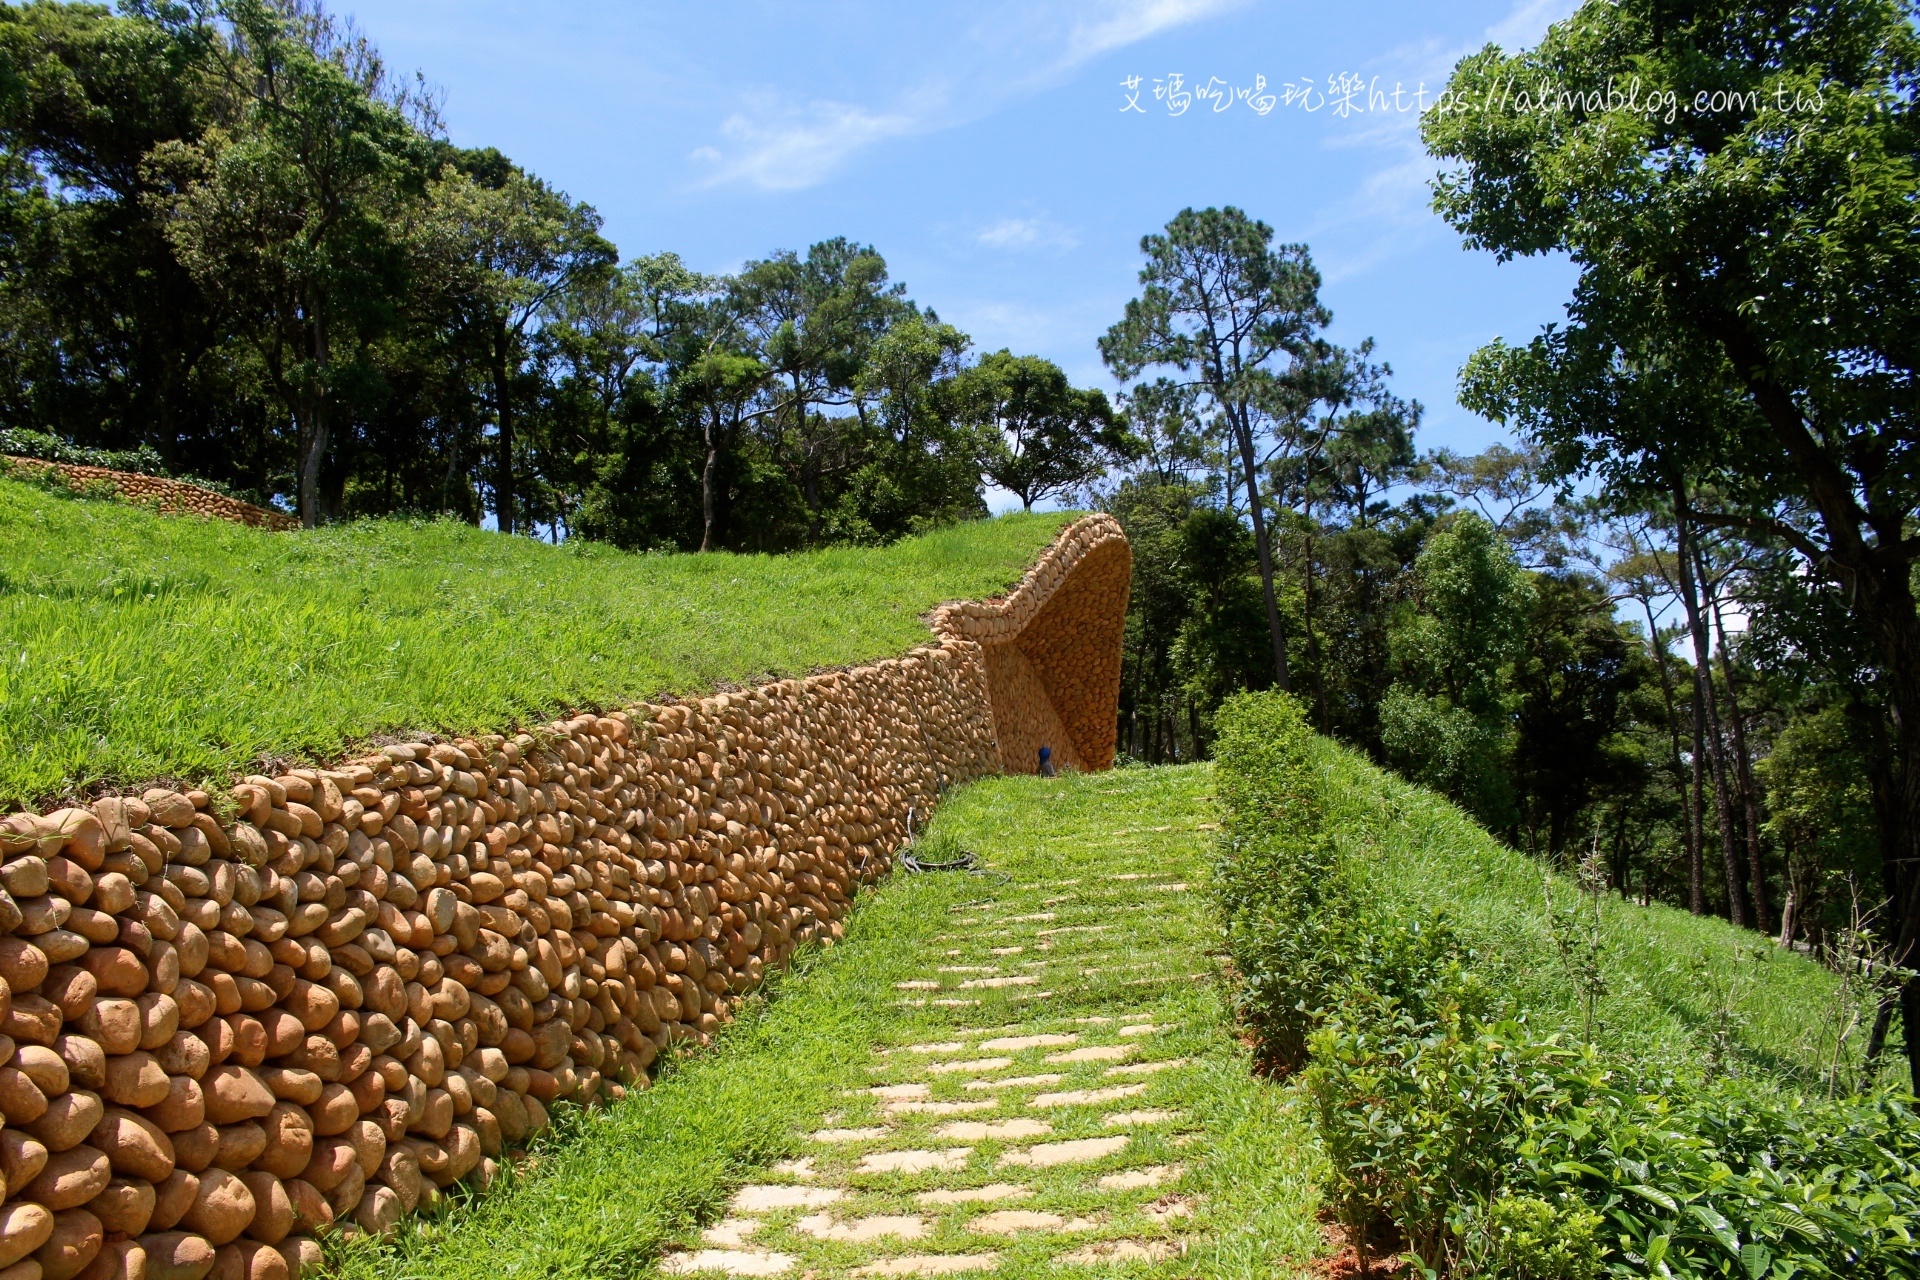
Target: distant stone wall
174, 496
234, 1022
1052, 649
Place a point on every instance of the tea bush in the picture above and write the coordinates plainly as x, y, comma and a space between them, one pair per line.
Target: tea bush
1278, 883
1496, 1148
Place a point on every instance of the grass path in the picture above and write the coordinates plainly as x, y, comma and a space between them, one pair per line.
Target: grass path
1029, 1073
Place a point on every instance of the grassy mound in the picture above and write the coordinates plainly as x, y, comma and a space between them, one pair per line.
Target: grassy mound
1511, 1076
136, 646
1674, 989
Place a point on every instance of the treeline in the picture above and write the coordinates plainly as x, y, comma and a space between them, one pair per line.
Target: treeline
231, 237
1608, 681
1534, 660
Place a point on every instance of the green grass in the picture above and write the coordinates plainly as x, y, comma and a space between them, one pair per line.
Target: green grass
135, 646
608, 1195
1679, 984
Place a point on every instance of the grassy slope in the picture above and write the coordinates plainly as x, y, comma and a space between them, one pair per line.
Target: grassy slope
607, 1196
135, 646
1676, 980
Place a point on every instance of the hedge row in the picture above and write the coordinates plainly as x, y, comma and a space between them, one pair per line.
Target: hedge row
1488, 1147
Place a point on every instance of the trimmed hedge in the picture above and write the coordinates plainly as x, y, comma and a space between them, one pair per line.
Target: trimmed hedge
1495, 1149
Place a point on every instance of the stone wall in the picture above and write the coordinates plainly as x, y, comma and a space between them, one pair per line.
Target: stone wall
175, 497
1052, 649
233, 1022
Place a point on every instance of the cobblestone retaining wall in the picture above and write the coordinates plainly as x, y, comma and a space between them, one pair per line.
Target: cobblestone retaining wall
174, 496
310, 1003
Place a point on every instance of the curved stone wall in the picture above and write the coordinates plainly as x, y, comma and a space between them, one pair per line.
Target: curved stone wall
176, 497
1052, 649
232, 1022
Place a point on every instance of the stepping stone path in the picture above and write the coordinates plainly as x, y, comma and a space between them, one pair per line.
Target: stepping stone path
1005, 1129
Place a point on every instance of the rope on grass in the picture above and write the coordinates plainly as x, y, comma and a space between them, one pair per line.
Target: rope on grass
968, 861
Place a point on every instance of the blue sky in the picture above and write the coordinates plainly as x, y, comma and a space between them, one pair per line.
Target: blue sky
985, 149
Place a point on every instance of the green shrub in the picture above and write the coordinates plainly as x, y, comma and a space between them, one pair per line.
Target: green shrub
1289, 907
1410, 1110
1499, 1150
1525, 1238
1729, 1178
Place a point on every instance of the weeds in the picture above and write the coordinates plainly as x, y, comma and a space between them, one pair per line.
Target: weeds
1580, 936
1726, 988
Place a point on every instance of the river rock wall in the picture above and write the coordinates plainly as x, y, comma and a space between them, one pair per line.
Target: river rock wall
175, 497
235, 1021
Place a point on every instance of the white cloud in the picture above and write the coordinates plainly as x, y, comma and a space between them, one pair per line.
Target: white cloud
784, 149
1131, 21
1026, 233
1528, 22
1020, 47
1008, 324
1060, 329
1396, 197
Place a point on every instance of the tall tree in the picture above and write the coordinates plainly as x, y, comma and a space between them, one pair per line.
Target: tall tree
526, 245
1362, 453
1712, 584
920, 467
716, 379
1772, 230
812, 323
1573, 685
1242, 322
1706, 700
1643, 574
1447, 720
103, 332
290, 216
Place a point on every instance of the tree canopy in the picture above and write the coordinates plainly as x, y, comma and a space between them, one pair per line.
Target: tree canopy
232, 237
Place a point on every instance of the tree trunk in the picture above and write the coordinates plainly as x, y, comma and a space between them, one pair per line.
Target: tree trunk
706, 479
1877, 1038
315, 432
1878, 576
313, 452
1312, 655
1887, 609
1244, 436
1696, 812
1690, 827
809, 473
1743, 765
1709, 705
504, 496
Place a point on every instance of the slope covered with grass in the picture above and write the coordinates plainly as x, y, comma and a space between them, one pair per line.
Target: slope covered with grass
137, 646
1677, 989
1511, 1079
